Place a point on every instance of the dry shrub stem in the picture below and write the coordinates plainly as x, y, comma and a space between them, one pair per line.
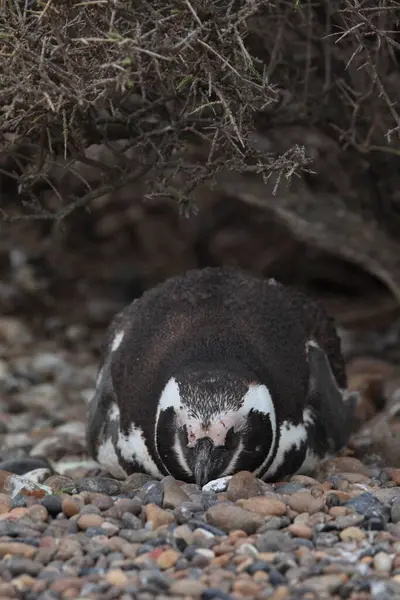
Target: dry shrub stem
167, 77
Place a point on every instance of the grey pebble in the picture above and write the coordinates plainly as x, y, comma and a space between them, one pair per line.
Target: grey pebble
102, 485
395, 511
21, 466
275, 541
152, 493
363, 503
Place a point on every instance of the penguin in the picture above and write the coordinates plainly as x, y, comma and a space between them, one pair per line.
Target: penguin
218, 371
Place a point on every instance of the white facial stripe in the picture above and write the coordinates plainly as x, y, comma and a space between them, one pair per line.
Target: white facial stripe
291, 437
170, 397
133, 446
259, 398
180, 456
108, 459
232, 463
117, 341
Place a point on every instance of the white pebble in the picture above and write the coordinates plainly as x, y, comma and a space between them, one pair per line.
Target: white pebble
217, 485
383, 562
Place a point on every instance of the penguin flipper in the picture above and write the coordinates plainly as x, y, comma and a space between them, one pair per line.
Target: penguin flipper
334, 407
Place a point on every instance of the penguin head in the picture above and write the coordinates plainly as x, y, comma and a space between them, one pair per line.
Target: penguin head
212, 423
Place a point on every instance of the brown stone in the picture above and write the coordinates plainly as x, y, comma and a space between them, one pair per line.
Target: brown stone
229, 517
17, 548
116, 577
158, 516
189, 588
168, 559
90, 520
243, 485
265, 506
352, 534
71, 506
300, 530
174, 495
304, 501
246, 587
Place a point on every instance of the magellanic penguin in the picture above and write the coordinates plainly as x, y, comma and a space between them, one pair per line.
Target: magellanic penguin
217, 371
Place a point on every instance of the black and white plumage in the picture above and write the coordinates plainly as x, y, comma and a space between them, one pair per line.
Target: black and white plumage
218, 371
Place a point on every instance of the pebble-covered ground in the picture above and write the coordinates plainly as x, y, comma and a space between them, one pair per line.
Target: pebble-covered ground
67, 530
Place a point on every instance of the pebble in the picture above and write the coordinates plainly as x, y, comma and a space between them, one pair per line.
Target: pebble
157, 517
173, 495
19, 548
101, 485
24, 465
264, 506
167, 559
90, 520
230, 518
189, 588
352, 534
300, 530
383, 562
275, 541
395, 512
243, 485
305, 502
71, 506
364, 503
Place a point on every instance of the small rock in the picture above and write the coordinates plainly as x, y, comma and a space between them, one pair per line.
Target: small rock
183, 532
364, 503
230, 518
265, 506
71, 506
352, 534
90, 520
351, 520
21, 466
59, 483
167, 559
189, 588
246, 587
324, 584
305, 502
395, 512
300, 530
127, 505
157, 516
18, 565
217, 485
342, 464
101, 485
17, 548
173, 494
135, 482
152, 493
383, 562
275, 541
116, 577
53, 504
243, 485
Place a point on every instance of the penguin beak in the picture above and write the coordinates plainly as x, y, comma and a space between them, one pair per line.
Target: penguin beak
202, 462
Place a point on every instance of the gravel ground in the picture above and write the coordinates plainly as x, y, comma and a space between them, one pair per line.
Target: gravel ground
67, 530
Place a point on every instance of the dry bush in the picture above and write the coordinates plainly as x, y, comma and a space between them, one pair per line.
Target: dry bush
167, 94
159, 75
